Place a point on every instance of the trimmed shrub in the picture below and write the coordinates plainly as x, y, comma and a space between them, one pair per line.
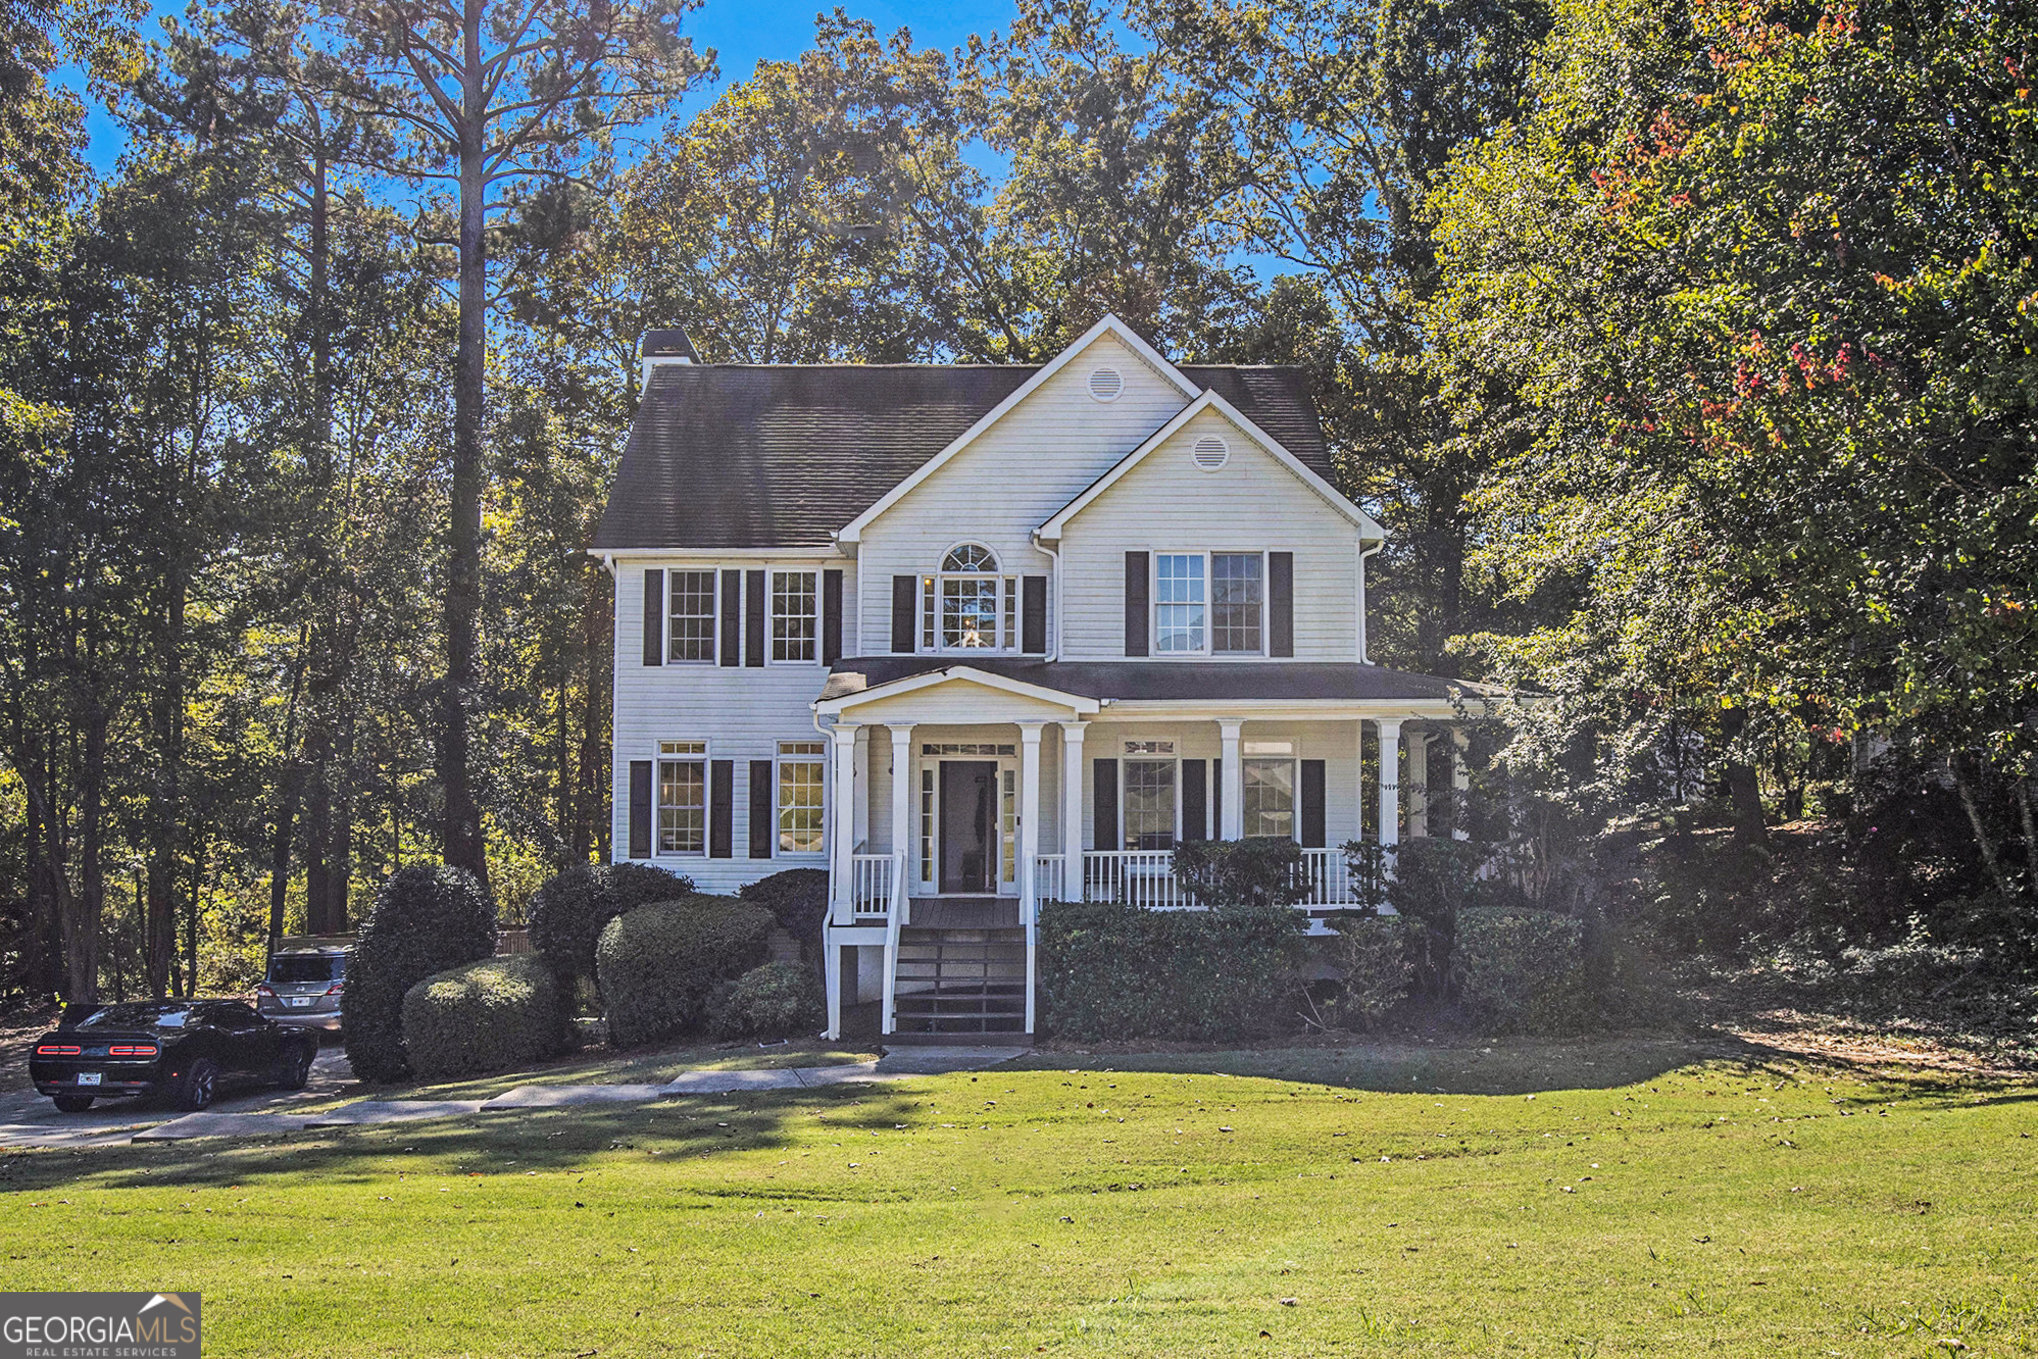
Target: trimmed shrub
1372, 953
659, 964
1266, 870
777, 1000
798, 898
426, 919
570, 910
1112, 970
486, 1016
1520, 968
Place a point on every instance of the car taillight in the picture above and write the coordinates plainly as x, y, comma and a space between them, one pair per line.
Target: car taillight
52, 1050
266, 990
136, 1050
335, 988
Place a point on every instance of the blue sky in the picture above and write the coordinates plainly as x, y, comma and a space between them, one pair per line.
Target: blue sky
743, 33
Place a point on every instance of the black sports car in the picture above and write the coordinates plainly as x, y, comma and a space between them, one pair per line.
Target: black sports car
186, 1049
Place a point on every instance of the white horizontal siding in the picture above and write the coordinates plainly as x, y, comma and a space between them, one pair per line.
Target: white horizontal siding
1253, 503
1013, 478
742, 712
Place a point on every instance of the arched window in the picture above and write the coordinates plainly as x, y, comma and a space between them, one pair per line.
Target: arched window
967, 605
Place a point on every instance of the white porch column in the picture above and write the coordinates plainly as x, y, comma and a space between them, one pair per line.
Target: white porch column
1461, 783
1233, 827
1029, 816
861, 764
904, 840
1390, 784
1029, 851
831, 959
842, 823
1418, 782
1072, 809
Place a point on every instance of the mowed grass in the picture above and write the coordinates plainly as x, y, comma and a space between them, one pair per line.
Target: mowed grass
1735, 1208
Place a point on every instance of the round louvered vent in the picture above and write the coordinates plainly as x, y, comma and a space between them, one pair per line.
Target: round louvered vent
1106, 384
1211, 453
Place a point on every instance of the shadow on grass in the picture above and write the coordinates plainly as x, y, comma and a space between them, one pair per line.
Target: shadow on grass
508, 1143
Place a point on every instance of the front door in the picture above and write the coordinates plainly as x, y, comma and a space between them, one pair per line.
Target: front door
969, 826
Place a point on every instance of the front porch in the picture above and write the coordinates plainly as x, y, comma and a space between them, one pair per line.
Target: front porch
961, 803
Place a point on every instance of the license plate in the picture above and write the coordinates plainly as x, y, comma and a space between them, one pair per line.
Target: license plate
88, 1078
297, 1000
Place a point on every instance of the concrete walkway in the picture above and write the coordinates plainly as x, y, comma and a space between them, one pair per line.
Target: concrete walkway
26, 1125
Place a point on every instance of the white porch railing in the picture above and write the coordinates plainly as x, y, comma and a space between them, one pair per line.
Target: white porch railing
1140, 877
1047, 874
1326, 878
873, 880
1146, 877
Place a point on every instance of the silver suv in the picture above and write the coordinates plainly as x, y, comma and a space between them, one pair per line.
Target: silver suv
303, 988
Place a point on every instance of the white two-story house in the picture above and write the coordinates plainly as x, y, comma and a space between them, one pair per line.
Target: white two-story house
973, 638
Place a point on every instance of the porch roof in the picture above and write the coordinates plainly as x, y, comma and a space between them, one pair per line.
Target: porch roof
1171, 681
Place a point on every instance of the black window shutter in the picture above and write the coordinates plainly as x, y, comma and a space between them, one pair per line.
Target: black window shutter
905, 607
721, 807
1312, 804
761, 806
1135, 603
1033, 615
753, 618
732, 618
831, 617
1195, 807
1281, 603
1217, 799
654, 618
640, 809
1104, 804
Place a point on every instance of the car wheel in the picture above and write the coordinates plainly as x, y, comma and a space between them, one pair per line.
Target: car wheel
72, 1104
199, 1085
297, 1068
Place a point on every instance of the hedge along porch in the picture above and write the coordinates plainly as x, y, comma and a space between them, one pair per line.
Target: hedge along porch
962, 796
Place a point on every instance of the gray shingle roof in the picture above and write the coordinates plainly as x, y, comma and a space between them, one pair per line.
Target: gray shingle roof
1161, 681
782, 455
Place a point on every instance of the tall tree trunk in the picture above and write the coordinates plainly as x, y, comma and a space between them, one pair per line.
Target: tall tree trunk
166, 812
460, 833
48, 876
1990, 859
81, 925
289, 789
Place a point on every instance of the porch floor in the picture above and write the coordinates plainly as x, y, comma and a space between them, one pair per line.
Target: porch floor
964, 913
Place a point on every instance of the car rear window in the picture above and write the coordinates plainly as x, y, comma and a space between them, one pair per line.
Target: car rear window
307, 967
137, 1017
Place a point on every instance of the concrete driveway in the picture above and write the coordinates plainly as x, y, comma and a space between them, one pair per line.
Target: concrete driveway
30, 1120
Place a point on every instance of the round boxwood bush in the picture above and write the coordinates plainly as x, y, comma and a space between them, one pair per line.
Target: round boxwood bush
569, 911
799, 898
426, 919
486, 1016
1372, 953
776, 1000
659, 964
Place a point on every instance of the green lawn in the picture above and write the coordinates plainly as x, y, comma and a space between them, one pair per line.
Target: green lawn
1737, 1208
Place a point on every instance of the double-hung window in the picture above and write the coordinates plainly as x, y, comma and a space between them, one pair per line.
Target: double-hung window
1150, 795
1268, 795
968, 605
682, 797
1209, 603
690, 608
802, 784
795, 615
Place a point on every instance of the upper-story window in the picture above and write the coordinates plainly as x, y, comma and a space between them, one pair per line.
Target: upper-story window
969, 605
690, 633
1209, 603
795, 615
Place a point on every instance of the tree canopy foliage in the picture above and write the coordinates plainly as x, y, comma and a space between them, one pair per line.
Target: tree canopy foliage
1683, 345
